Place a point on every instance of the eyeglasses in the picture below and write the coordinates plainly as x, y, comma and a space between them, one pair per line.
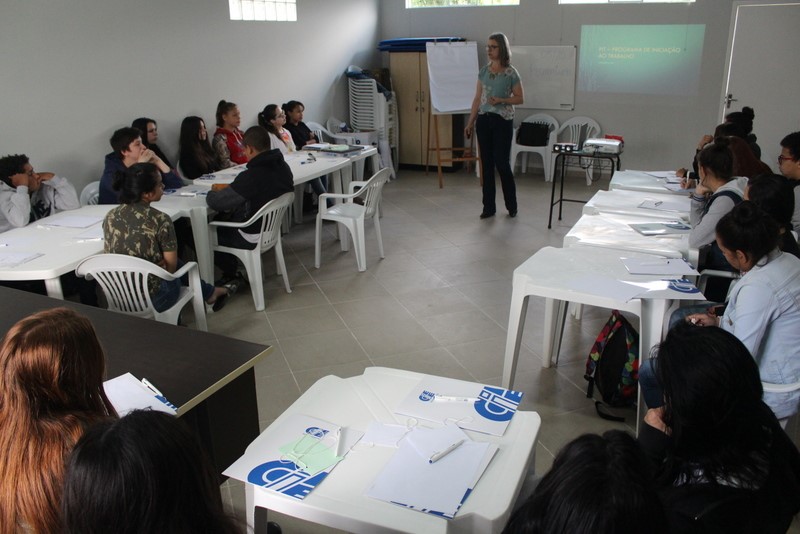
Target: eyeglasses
781, 159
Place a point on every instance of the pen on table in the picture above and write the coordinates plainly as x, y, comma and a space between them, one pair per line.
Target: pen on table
449, 398
339, 443
441, 454
653, 263
149, 385
658, 203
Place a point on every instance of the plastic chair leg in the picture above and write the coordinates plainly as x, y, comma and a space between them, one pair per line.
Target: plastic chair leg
254, 275
378, 235
317, 242
279, 260
359, 238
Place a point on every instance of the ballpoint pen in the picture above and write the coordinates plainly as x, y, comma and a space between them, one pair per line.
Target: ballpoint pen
441, 454
149, 385
449, 398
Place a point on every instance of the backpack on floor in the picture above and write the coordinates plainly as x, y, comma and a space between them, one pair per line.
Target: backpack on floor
613, 365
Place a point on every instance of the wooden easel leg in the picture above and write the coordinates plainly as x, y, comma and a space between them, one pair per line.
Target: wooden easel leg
438, 151
428, 147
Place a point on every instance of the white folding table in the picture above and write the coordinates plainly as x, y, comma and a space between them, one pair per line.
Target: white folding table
339, 501
625, 202
643, 182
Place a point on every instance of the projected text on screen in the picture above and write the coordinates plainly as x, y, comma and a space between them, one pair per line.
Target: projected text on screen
642, 59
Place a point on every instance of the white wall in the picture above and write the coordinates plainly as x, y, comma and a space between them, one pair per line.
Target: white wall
660, 132
73, 72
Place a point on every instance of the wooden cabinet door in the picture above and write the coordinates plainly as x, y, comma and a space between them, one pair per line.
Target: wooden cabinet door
405, 69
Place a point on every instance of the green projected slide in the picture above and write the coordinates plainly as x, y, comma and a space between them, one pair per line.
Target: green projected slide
641, 59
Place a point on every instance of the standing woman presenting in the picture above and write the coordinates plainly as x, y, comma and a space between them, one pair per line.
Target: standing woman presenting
499, 90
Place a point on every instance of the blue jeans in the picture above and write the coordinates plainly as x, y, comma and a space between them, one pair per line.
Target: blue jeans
494, 139
169, 290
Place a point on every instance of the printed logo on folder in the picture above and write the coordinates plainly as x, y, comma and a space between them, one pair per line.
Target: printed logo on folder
285, 477
471, 406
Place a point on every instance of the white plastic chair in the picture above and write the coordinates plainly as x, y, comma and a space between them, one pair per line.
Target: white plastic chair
271, 215
334, 125
569, 132
545, 151
123, 280
322, 134
90, 195
352, 216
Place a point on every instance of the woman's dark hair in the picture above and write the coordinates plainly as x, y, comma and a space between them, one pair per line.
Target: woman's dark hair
749, 229
269, 114
743, 118
717, 158
745, 163
222, 108
774, 195
292, 105
505, 48
135, 181
597, 485
141, 125
142, 473
194, 152
713, 409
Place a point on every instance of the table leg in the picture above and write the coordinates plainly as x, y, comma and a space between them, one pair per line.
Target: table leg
561, 190
516, 323
653, 314
560, 158
298, 203
53, 286
376, 163
551, 307
202, 243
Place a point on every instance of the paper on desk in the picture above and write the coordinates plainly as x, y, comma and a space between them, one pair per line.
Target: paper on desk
603, 286
659, 266
490, 414
9, 259
677, 187
430, 442
316, 146
680, 289
72, 221
660, 174
663, 205
264, 465
94, 233
187, 191
383, 434
438, 488
127, 393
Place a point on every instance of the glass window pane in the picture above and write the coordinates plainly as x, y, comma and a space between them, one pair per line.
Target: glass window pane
235, 7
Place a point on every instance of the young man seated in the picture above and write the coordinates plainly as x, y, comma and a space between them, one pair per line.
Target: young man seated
128, 149
789, 165
27, 195
267, 177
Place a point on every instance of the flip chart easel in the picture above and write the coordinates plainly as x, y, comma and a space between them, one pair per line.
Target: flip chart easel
453, 72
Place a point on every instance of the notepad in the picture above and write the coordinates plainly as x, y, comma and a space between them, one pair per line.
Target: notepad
662, 205
127, 393
661, 228
9, 260
72, 221
659, 266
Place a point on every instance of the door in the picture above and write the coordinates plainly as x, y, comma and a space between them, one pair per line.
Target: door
762, 73
406, 84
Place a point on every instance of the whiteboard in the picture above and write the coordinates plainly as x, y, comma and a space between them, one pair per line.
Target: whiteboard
453, 74
548, 75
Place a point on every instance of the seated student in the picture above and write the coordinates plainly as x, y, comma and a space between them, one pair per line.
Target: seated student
745, 163
196, 155
273, 119
149, 130
717, 192
51, 389
789, 166
227, 142
144, 472
27, 195
267, 177
722, 130
723, 463
764, 306
773, 194
597, 485
744, 120
128, 150
137, 229
301, 134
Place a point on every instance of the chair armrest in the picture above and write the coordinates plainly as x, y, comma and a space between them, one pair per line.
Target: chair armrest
187, 267
228, 224
353, 185
780, 388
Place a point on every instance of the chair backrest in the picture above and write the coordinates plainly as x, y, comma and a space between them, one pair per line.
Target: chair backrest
543, 117
322, 134
335, 125
123, 280
90, 194
271, 215
374, 189
571, 129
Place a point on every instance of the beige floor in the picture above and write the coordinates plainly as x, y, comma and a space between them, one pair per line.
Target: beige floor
437, 303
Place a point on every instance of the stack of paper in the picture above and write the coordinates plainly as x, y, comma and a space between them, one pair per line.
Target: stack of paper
127, 393
10, 259
471, 406
293, 457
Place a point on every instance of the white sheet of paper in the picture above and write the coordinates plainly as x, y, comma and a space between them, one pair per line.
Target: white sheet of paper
663, 205
429, 442
94, 233
9, 259
660, 174
680, 289
490, 414
127, 393
384, 435
659, 266
440, 487
73, 221
604, 286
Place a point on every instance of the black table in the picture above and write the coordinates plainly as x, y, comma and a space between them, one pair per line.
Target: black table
613, 158
209, 377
